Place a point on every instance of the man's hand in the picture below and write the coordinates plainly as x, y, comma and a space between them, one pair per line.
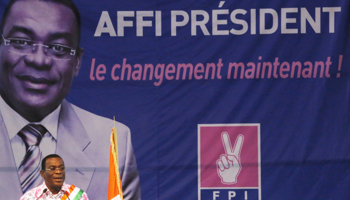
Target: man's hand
229, 165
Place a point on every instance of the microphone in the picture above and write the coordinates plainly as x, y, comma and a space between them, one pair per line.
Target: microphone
66, 193
44, 191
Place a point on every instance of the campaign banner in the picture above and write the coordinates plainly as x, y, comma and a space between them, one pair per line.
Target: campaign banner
245, 100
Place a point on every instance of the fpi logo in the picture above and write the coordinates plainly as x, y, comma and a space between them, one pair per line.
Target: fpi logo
229, 160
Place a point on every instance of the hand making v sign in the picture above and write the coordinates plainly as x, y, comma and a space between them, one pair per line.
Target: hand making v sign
229, 166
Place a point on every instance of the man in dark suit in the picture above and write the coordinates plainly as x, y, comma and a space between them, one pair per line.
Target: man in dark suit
39, 57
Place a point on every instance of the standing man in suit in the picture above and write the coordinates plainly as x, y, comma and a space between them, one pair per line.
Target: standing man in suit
39, 57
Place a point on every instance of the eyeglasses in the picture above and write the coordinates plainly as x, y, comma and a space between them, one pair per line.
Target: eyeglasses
53, 169
25, 47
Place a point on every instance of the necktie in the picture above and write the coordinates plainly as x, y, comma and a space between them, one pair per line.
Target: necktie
29, 169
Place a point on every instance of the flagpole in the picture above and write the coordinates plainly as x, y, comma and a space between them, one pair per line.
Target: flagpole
115, 156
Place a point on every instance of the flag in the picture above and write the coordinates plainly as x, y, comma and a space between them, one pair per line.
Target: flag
115, 191
72, 193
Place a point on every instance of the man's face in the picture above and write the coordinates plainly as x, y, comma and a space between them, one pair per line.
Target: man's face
35, 84
53, 176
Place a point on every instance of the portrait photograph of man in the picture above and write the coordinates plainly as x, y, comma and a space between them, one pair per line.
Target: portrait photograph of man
40, 55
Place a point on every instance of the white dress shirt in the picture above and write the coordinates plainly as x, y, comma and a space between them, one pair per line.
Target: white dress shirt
15, 122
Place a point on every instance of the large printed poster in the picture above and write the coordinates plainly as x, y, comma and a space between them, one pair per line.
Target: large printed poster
212, 99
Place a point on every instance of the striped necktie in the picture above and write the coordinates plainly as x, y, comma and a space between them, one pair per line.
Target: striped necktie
29, 169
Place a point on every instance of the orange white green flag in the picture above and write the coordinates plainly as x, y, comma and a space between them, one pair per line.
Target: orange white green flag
115, 191
73, 193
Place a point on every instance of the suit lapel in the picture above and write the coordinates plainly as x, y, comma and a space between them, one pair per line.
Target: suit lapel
72, 141
8, 174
